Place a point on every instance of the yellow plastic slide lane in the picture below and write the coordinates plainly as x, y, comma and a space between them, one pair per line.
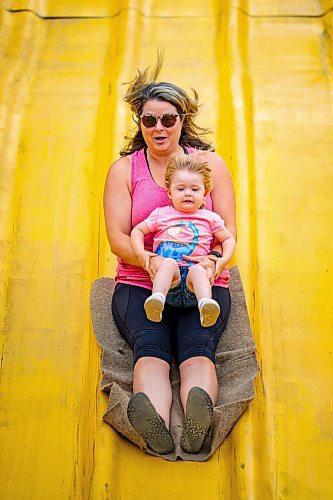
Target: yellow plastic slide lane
264, 73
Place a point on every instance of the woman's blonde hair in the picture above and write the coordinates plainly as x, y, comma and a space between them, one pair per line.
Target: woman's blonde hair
191, 164
145, 88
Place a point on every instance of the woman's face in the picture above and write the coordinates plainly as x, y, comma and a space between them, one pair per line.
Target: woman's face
161, 140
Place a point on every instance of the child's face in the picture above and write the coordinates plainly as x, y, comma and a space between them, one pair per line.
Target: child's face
187, 191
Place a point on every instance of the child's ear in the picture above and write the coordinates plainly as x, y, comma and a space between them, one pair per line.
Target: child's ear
168, 193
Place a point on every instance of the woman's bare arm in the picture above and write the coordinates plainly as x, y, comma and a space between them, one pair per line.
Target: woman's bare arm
118, 209
223, 194
138, 243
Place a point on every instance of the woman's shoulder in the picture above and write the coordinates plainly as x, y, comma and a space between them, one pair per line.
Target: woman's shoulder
123, 162
119, 173
134, 160
120, 167
212, 158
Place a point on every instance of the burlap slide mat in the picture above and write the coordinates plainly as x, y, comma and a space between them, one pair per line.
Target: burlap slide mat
236, 367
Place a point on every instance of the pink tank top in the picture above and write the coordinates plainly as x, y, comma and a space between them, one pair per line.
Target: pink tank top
146, 196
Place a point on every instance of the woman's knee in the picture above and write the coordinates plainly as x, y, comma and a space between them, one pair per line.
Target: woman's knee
152, 364
197, 362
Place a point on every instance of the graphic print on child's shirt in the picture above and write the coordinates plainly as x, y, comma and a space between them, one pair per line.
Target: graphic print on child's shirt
175, 248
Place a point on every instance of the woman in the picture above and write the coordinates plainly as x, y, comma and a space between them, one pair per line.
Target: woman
164, 115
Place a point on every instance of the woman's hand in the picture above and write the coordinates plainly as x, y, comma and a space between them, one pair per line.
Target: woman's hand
206, 262
153, 264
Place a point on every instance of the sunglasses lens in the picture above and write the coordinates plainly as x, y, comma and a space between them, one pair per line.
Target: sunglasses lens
168, 120
149, 121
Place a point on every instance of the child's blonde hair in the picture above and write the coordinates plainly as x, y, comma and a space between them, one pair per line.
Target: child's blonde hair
188, 162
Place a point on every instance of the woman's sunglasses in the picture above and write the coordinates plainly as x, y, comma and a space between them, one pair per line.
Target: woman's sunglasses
168, 120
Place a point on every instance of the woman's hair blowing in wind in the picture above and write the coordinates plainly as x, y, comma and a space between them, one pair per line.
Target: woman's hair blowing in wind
145, 88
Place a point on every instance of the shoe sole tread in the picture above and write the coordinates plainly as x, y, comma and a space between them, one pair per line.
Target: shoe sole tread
146, 421
197, 421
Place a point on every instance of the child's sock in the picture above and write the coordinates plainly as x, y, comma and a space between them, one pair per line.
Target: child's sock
209, 311
154, 306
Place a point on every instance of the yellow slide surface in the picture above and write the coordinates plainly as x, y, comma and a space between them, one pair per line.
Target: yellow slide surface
263, 70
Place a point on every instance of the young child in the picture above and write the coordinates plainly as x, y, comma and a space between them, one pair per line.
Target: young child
185, 228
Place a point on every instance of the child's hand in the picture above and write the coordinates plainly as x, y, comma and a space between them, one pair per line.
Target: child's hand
154, 264
144, 258
219, 266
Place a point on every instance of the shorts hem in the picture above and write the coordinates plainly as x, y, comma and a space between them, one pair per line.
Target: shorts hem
140, 356
208, 355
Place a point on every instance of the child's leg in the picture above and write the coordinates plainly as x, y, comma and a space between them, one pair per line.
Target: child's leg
167, 275
198, 282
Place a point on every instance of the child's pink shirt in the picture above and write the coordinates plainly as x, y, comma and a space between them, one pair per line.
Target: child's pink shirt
180, 233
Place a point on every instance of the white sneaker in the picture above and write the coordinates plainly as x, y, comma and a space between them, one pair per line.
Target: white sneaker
209, 312
154, 306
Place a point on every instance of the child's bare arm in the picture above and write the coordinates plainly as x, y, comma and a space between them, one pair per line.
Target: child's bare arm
228, 243
137, 240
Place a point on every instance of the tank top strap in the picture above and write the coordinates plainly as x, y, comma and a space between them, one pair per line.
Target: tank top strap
139, 170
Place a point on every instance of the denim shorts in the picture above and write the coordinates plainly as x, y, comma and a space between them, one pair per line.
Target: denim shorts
180, 295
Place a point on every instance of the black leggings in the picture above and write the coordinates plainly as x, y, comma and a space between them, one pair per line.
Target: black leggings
179, 331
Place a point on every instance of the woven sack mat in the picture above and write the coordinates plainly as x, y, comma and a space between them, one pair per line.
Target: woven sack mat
236, 367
